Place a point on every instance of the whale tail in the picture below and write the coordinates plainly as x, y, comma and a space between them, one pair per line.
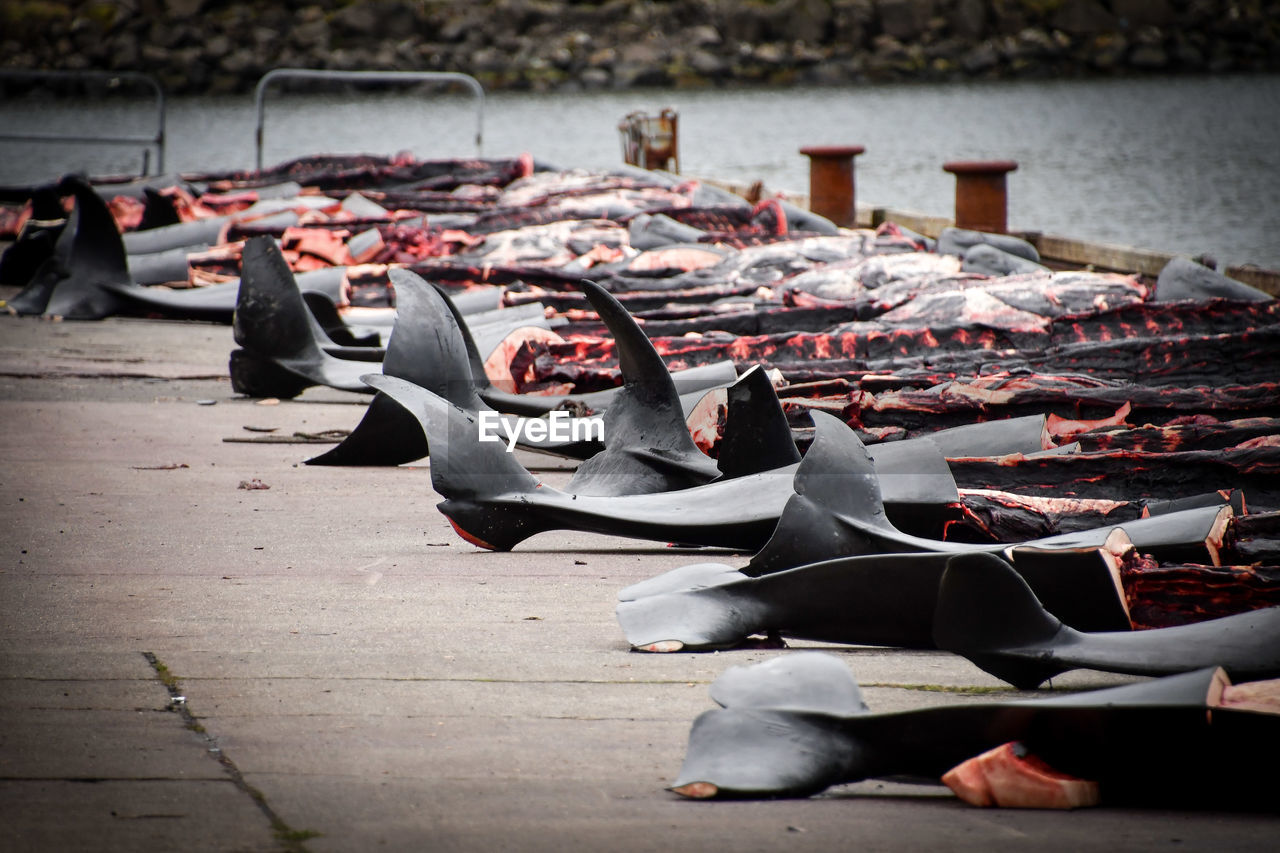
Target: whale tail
984, 607
427, 348
756, 435
836, 479
466, 471
648, 447
87, 257
271, 326
780, 730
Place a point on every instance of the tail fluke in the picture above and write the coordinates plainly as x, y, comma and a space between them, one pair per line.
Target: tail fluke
88, 255
468, 472
756, 436
984, 606
648, 447
426, 348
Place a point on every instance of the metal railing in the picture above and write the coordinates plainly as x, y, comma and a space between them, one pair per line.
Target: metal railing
111, 79
259, 94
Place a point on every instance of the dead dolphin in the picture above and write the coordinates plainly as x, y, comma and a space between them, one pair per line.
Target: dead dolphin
989, 614
1191, 739
1183, 278
837, 570
879, 599
87, 256
495, 503
283, 348
646, 406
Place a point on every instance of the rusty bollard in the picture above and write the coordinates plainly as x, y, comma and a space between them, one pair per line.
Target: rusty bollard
831, 185
982, 202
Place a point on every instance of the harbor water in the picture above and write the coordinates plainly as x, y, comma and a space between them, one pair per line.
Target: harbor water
1189, 165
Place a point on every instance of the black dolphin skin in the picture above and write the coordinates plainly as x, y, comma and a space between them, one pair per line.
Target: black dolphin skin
989, 614
644, 427
86, 259
796, 725
836, 569
495, 503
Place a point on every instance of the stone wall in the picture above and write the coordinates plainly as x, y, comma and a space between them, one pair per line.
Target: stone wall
216, 46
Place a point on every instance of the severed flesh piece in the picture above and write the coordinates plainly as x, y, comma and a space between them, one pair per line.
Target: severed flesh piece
1009, 777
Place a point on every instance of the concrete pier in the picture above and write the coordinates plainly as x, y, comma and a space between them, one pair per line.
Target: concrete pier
323, 665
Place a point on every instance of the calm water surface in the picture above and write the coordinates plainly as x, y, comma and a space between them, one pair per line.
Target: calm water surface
1177, 164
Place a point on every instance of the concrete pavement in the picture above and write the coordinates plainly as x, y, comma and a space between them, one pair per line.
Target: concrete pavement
352, 675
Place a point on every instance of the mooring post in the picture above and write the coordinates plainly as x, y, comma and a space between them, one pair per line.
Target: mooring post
831, 183
982, 202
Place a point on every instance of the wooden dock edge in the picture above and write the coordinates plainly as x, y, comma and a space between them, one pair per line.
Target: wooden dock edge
1055, 250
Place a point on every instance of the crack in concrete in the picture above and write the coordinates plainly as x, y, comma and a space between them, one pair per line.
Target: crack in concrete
289, 838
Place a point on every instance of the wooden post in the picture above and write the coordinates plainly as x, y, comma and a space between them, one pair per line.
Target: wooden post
981, 199
831, 181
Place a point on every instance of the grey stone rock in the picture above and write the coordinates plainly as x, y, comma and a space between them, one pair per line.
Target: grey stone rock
708, 63
981, 57
184, 10
1009, 16
1149, 57
1140, 13
968, 18
1084, 18
905, 19
803, 20
594, 78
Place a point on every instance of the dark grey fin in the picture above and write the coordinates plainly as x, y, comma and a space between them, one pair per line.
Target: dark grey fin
271, 324
838, 508
25, 255
474, 359
835, 472
683, 579
387, 435
648, 447
876, 599
53, 265
756, 434
702, 607
985, 607
802, 681
326, 314
87, 256
426, 348
158, 210
462, 466
35, 294
988, 615
283, 349
270, 318
466, 471
736, 753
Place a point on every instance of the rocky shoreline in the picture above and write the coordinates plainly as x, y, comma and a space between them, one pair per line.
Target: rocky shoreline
215, 47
